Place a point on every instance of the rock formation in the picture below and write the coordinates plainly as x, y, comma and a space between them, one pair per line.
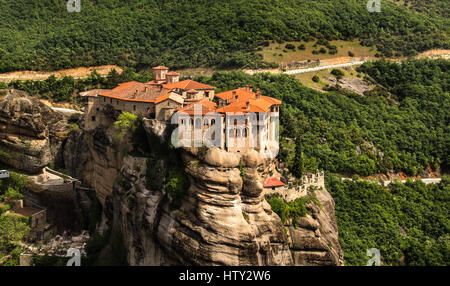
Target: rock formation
222, 218
31, 133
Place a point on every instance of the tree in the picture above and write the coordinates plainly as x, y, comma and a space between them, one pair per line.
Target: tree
11, 195
126, 122
12, 228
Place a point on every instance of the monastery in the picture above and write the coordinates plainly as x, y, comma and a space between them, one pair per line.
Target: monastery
234, 120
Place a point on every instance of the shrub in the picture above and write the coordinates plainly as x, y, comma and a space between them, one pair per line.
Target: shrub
302, 47
126, 122
176, 186
351, 54
290, 47
315, 78
4, 208
337, 72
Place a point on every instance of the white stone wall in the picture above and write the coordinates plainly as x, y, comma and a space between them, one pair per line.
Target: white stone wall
309, 181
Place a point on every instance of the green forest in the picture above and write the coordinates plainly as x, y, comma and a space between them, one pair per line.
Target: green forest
43, 35
408, 222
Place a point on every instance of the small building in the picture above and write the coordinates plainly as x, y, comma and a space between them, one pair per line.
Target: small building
273, 184
39, 226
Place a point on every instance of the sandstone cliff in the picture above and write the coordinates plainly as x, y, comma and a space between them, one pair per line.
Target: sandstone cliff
31, 133
223, 218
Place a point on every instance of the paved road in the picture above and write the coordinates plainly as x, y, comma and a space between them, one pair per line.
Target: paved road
426, 181
324, 67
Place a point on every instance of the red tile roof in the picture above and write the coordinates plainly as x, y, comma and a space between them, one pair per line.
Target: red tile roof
187, 84
242, 93
160, 68
206, 106
273, 182
134, 91
262, 104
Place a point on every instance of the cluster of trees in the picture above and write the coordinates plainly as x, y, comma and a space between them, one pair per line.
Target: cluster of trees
13, 228
401, 126
408, 222
142, 33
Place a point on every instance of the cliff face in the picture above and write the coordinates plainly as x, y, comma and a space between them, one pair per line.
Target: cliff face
223, 218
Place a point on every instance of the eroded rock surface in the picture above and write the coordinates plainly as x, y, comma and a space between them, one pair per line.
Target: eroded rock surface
31, 133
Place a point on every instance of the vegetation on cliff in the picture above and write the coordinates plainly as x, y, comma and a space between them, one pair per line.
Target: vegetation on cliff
13, 228
408, 222
142, 33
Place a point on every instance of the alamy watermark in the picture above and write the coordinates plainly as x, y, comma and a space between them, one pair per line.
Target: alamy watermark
75, 255
374, 6
74, 6
375, 257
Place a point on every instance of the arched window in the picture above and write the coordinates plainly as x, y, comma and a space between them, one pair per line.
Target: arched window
246, 132
191, 121
182, 121
213, 121
205, 122
198, 123
235, 122
238, 133
231, 133
246, 122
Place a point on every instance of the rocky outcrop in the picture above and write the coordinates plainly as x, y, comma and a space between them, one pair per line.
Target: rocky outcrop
223, 217
31, 133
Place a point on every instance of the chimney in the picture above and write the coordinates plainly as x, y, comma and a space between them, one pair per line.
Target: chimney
248, 87
258, 94
235, 95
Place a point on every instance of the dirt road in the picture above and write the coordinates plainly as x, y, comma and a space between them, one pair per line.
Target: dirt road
41, 75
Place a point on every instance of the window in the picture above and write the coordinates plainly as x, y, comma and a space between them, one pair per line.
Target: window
104, 99
213, 121
168, 103
93, 118
246, 132
182, 121
231, 133
134, 107
98, 109
191, 121
235, 122
205, 122
213, 136
110, 100
238, 133
198, 123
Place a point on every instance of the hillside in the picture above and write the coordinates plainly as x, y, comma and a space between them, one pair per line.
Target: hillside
400, 126
42, 35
